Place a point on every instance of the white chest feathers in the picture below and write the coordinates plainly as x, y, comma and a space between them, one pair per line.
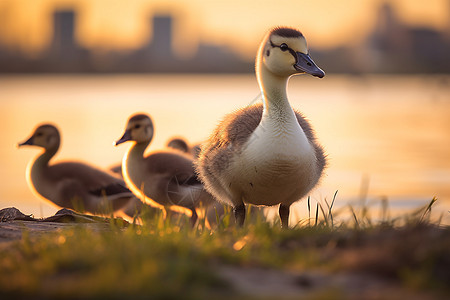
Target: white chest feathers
277, 165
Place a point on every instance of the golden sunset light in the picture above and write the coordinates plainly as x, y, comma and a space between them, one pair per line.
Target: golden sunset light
118, 25
225, 149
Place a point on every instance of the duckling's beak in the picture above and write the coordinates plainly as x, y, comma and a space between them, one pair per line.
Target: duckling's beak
126, 137
27, 142
306, 64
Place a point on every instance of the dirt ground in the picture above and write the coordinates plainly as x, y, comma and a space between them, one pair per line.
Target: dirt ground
250, 281
13, 223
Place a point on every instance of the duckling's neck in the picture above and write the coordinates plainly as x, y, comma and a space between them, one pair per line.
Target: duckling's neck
132, 167
41, 161
276, 104
132, 161
138, 149
279, 124
36, 172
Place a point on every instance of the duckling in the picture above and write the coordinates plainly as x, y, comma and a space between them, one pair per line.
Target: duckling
72, 184
178, 144
181, 145
175, 143
134, 208
165, 178
266, 154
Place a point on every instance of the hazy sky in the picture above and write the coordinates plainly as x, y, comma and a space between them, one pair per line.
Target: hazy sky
26, 24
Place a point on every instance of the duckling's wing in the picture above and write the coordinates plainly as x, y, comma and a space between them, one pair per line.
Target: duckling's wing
93, 182
226, 141
113, 196
113, 189
91, 177
174, 178
188, 180
71, 193
228, 137
237, 127
172, 162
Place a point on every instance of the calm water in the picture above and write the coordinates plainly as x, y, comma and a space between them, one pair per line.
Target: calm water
386, 137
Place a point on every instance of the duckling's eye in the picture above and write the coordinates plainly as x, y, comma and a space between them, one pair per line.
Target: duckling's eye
39, 134
284, 47
137, 126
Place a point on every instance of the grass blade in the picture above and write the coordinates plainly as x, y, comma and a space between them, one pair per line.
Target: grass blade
309, 211
354, 216
325, 217
317, 213
331, 207
427, 211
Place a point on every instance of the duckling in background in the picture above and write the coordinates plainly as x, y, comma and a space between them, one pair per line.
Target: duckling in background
164, 179
178, 144
266, 154
134, 207
73, 185
183, 146
175, 143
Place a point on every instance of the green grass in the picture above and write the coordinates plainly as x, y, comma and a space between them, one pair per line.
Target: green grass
170, 260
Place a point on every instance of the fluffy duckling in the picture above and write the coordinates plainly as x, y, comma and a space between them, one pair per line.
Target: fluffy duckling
134, 208
164, 179
174, 143
266, 154
178, 144
71, 185
181, 145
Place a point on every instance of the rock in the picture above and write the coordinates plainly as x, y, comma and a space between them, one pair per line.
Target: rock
12, 213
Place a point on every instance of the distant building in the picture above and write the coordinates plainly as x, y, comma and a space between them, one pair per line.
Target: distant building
391, 47
158, 55
162, 37
64, 53
63, 32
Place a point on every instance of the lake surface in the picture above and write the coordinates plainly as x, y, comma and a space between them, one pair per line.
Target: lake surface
387, 137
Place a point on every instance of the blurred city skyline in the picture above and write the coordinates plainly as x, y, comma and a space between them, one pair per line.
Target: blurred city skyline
389, 40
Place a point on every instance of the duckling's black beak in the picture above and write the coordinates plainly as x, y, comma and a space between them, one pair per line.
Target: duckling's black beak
306, 64
126, 137
27, 142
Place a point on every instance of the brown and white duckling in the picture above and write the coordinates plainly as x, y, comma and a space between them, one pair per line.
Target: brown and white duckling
73, 185
165, 178
266, 154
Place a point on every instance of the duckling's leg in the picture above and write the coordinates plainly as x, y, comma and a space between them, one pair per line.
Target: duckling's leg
284, 215
194, 217
239, 214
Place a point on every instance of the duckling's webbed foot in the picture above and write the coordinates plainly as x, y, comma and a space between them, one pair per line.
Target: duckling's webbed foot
284, 215
239, 214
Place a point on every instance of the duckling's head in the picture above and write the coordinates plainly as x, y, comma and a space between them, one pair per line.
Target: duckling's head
139, 129
45, 136
284, 53
178, 144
